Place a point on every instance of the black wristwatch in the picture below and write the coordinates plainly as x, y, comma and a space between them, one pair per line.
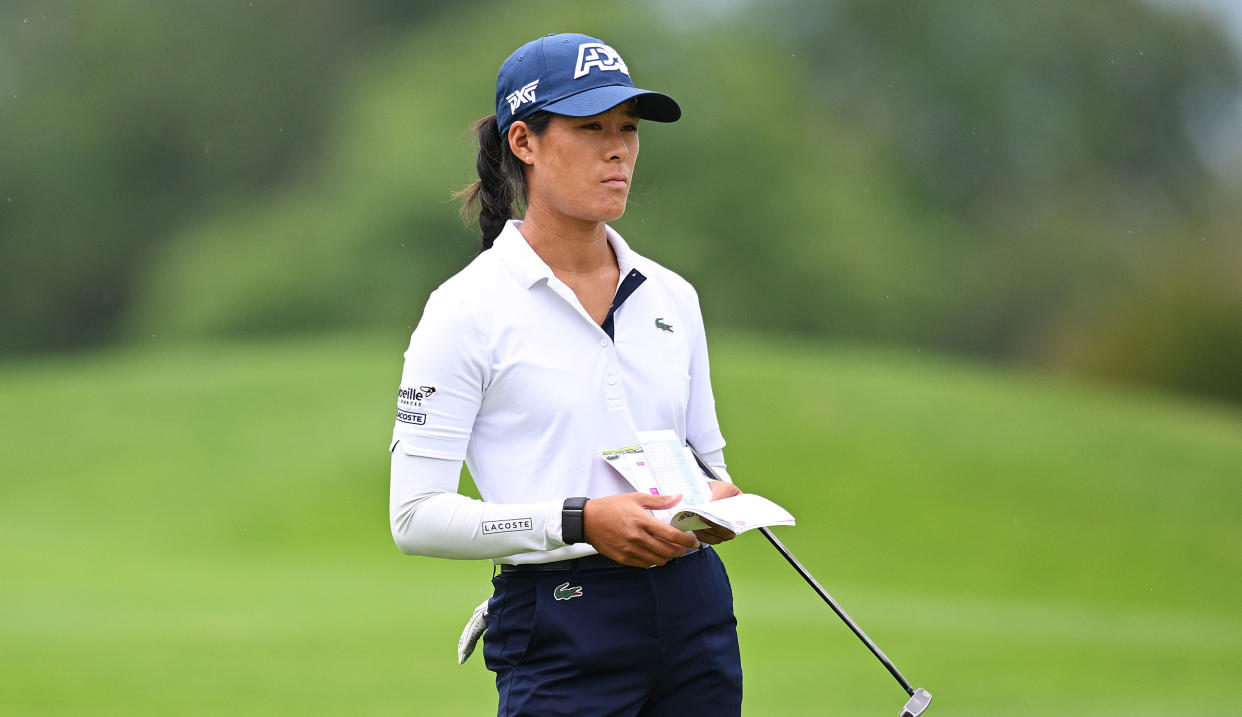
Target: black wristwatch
573, 527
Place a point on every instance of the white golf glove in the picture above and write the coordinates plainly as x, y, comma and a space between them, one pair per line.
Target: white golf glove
472, 632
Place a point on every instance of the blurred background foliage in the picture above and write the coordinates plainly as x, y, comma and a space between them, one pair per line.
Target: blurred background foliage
1030, 182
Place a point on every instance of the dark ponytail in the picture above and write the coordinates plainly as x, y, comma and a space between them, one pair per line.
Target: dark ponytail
502, 179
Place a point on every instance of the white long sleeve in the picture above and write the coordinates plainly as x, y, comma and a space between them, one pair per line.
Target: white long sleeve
429, 517
715, 459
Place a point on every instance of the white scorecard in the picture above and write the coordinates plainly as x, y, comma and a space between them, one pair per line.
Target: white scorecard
660, 465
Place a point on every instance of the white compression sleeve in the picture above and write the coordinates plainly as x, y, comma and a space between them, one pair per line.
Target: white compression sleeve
429, 517
715, 459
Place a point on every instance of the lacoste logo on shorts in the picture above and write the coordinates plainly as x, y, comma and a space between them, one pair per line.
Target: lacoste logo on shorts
598, 56
520, 97
659, 324
565, 592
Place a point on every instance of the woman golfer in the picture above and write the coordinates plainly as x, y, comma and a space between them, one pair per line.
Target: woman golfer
559, 341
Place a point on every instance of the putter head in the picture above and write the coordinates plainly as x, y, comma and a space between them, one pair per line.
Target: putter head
918, 702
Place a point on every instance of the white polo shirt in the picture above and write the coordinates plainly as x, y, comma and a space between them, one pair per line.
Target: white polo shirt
508, 371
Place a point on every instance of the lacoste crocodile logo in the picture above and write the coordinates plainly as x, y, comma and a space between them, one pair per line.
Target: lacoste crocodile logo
565, 592
663, 326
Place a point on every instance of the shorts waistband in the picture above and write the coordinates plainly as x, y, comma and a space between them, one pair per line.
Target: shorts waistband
589, 562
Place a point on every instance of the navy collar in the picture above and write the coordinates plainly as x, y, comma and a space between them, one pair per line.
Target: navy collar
631, 282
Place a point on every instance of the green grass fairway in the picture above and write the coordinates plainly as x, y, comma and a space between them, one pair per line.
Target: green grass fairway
202, 530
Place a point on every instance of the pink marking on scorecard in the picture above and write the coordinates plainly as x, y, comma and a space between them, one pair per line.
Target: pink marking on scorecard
655, 491
641, 463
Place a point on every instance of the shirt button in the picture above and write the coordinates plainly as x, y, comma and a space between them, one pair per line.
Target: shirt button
612, 380
603, 343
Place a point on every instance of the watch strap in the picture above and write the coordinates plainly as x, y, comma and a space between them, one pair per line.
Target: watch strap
573, 524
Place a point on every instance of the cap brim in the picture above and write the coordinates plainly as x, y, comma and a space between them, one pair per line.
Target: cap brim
654, 106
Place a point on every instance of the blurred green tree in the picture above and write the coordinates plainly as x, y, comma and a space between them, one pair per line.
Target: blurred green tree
123, 120
1005, 179
1052, 134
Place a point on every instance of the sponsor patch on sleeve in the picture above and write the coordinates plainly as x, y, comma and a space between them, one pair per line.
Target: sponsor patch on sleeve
514, 525
411, 417
410, 398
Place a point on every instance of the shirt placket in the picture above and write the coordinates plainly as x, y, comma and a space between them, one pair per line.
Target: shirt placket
614, 387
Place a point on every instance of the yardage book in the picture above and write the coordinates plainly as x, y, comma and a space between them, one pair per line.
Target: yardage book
659, 464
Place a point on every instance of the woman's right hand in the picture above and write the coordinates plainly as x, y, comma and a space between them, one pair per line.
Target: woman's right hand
619, 527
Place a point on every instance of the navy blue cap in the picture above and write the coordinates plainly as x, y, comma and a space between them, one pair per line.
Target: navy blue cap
570, 74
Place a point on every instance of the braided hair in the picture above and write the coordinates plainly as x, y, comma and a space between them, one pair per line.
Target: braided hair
502, 179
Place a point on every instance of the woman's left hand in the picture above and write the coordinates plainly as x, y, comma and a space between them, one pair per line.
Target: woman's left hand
716, 534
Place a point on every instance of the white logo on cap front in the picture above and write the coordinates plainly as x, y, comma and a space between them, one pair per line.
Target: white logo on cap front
522, 96
597, 55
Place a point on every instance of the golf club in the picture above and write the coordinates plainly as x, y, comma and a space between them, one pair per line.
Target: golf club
919, 698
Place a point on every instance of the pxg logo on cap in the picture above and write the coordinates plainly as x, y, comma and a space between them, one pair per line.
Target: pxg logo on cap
573, 75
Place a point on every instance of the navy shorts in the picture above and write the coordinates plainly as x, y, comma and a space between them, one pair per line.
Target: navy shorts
616, 641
